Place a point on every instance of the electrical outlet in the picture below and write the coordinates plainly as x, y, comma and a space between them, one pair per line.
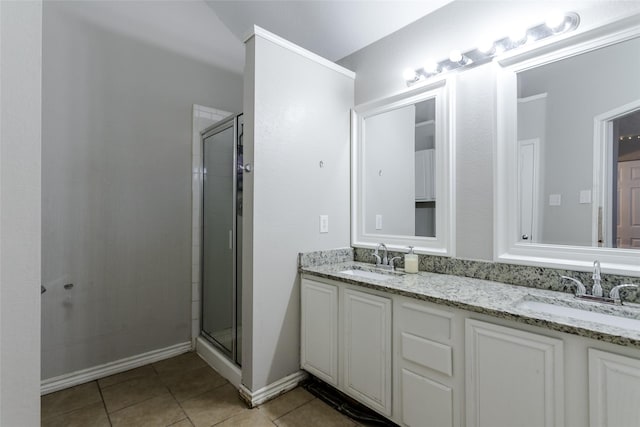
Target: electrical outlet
555, 200
324, 223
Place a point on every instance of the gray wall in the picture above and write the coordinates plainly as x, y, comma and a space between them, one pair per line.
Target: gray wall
20, 125
297, 113
392, 193
117, 191
379, 70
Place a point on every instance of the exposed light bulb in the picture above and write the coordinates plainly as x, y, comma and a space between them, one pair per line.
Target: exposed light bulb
555, 19
485, 46
431, 67
517, 35
455, 56
409, 74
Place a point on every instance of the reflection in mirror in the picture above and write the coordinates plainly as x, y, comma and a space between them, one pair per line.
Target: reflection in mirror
578, 149
402, 192
399, 171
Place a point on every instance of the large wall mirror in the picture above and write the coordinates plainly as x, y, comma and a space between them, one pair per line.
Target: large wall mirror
568, 160
402, 171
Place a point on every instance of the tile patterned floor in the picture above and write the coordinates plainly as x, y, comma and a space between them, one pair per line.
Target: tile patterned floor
179, 392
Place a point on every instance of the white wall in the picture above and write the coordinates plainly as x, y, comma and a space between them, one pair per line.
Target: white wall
20, 137
297, 113
117, 118
390, 148
379, 69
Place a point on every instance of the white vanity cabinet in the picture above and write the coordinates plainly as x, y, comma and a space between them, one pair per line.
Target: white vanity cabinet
614, 390
336, 316
425, 342
319, 330
513, 377
367, 348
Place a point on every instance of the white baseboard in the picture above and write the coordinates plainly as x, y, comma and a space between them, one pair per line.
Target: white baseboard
85, 375
219, 362
272, 390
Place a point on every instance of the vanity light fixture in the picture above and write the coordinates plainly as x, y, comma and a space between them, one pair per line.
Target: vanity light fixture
556, 23
458, 58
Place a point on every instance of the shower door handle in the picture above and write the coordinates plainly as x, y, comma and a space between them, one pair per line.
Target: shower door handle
230, 239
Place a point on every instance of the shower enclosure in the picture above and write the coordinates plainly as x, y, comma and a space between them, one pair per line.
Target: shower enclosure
222, 236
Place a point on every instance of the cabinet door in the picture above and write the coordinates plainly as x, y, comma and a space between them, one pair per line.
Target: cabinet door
367, 349
614, 390
425, 402
319, 330
513, 378
424, 170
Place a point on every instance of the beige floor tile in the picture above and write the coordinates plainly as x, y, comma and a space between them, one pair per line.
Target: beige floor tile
70, 399
182, 362
250, 418
159, 411
183, 423
214, 406
187, 384
314, 414
144, 371
286, 403
93, 415
131, 392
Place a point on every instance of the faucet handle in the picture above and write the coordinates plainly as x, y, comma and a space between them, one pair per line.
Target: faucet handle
391, 262
615, 292
580, 288
377, 257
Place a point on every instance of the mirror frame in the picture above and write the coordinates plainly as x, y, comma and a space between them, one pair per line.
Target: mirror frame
507, 247
443, 244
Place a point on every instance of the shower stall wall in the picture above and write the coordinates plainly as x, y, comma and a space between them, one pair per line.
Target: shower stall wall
222, 236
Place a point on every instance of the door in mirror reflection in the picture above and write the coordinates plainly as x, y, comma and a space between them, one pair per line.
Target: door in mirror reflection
625, 225
399, 171
577, 134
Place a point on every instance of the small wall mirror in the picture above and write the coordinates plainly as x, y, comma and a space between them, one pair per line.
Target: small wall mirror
569, 155
401, 171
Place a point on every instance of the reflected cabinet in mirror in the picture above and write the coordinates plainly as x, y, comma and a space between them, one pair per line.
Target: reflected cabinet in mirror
401, 171
569, 154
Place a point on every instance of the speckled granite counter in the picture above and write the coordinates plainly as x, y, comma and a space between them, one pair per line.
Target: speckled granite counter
487, 297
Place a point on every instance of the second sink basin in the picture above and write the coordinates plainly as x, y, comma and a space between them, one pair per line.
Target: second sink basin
369, 274
620, 317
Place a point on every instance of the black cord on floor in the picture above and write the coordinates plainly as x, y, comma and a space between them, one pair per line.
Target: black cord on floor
344, 404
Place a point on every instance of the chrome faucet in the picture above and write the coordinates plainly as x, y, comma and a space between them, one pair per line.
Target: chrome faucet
615, 292
384, 261
376, 254
596, 290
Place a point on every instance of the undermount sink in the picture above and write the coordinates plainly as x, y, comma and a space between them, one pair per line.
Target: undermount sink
620, 317
366, 274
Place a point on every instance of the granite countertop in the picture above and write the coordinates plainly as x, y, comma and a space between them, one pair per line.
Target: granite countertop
492, 298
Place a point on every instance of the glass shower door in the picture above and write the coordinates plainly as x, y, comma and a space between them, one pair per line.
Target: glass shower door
219, 237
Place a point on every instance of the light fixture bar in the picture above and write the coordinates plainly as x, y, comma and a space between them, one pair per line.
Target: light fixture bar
485, 52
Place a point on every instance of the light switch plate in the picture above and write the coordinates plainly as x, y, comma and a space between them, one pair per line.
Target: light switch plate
585, 196
555, 199
378, 222
324, 223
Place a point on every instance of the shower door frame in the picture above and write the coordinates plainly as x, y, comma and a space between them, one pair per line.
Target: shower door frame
229, 122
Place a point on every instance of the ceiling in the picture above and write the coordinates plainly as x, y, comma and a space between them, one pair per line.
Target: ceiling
332, 29
212, 31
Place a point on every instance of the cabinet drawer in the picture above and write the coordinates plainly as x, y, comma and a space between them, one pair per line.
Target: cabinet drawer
425, 402
425, 322
427, 353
